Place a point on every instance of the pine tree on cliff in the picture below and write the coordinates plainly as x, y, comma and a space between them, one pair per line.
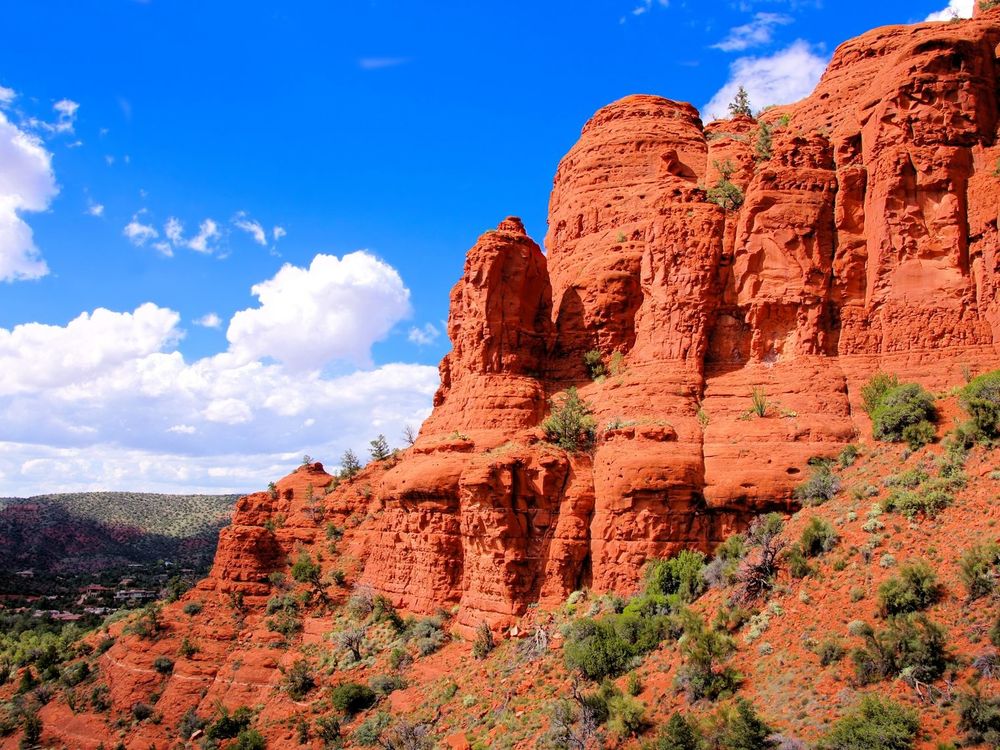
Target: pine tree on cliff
740, 105
379, 448
349, 464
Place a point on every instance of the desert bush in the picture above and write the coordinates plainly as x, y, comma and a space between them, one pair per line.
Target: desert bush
612, 645
848, 455
427, 634
328, 731
980, 718
830, 652
361, 603
299, 681
909, 643
163, 664
927, 500
818, 537
798, 565
705, 651
981, 398
877, 386
383, 684
875, 724
594, 362
744, 729
141, 711
904, 413
305, 570
399, 658
570, 425
76, 673
978, 568
250, 739
915, 588
679, 733
484, 643
628, 716
756, 572
350, 698
821, 486
680, 575
351, 638
193, 608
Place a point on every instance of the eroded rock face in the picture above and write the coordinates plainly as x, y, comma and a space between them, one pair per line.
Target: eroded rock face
866, 238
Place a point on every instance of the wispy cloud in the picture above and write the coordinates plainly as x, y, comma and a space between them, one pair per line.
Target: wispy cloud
209, 320
7, 95
95, 209
781, 78
208, 232
254, 228
427, 334
278, 232
377, 63
644, 7
139, 233
955, 9
756, 33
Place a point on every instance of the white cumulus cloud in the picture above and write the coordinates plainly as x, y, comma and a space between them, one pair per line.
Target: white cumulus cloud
955, 9
333, 310
756, 33
95, 209
27, 184
784, 77
278, 232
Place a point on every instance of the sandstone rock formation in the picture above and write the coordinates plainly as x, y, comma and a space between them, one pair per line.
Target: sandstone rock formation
861, 234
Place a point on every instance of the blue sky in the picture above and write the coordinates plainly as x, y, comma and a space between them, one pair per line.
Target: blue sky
162, 162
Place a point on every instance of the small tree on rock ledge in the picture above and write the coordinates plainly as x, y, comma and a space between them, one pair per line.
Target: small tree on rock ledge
571, 425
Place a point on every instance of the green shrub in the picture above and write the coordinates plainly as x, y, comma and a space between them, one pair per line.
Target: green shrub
163, 664
724, 192
928, 499
762, 146
299, 680
628, 716
904, 413
848, 455
980, 719
818, 537
328, 731
978, 568
250, 739
594, 362
484, 643
821, 486
427, 634
350, 698
910, 645
830, 652
610, 646
744, 729
193, 608
570, 425
981, 398
369, 732
31, 723
877, 386
680, 575
305, 570
876, 724
679, 733
141, 711
798, 566
740, 105
705, 650
384, 684
915, 588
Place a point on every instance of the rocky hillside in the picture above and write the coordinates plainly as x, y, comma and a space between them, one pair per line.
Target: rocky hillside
90, 530
700, 353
